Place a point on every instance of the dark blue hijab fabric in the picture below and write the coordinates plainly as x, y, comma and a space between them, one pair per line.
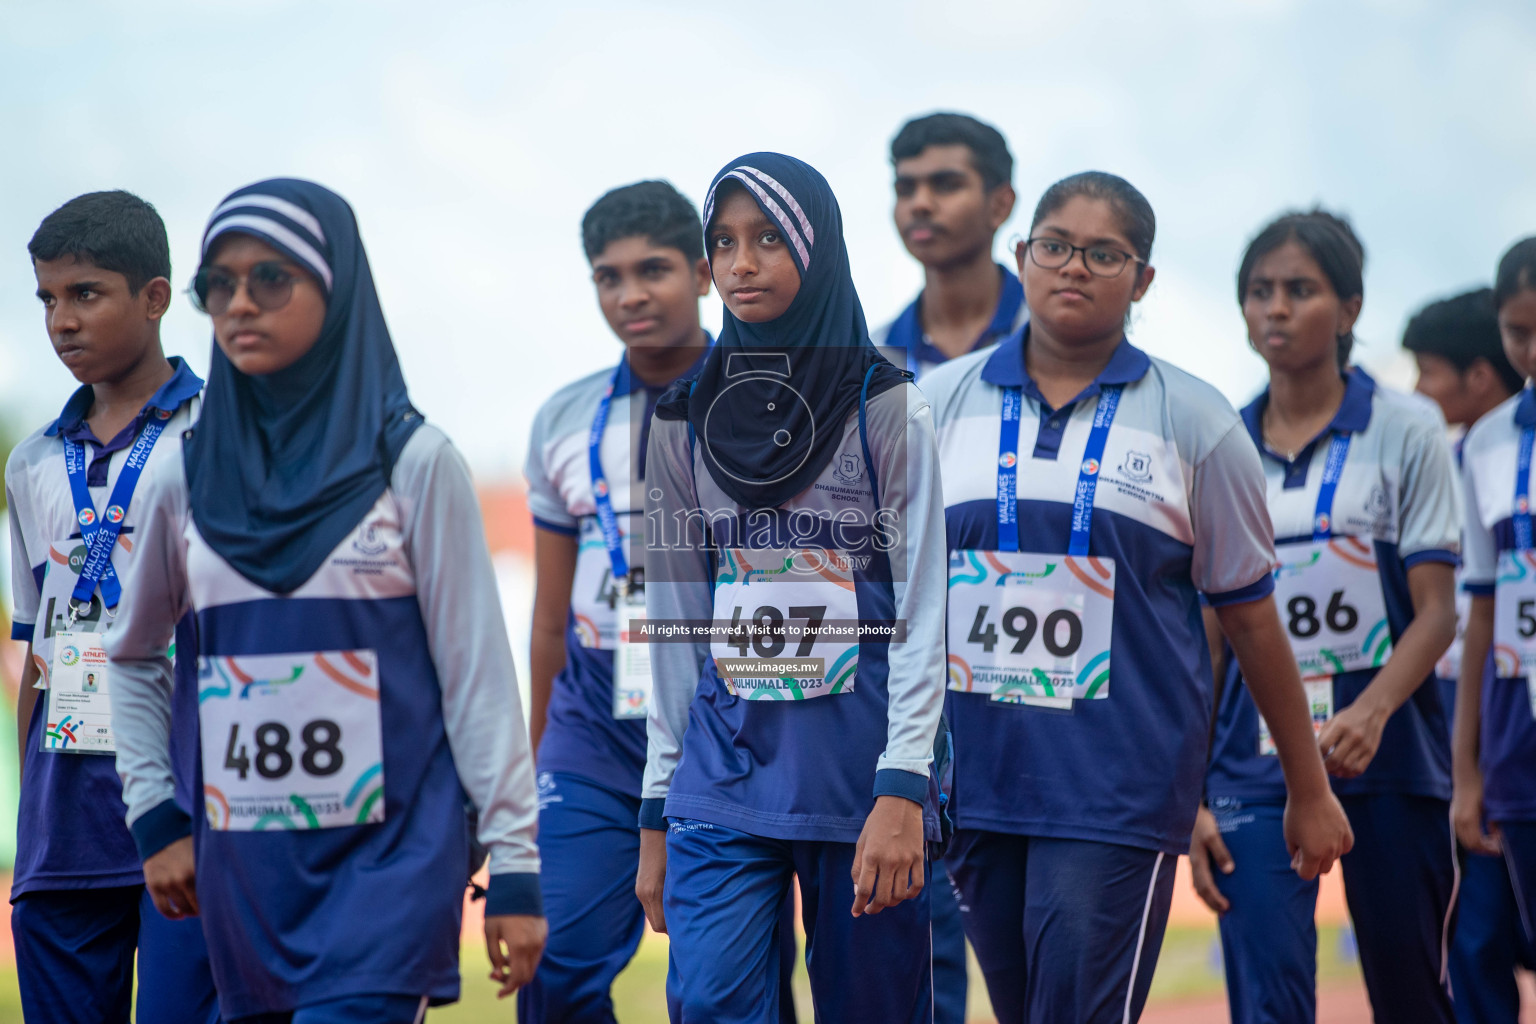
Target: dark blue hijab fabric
791, 382
282, 467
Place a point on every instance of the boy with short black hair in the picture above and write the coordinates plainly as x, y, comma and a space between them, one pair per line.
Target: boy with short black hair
1455, 343
1462, 366
954, 190
80, 908
586, 472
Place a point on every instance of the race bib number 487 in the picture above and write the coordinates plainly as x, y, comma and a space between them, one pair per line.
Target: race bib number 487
291, 741
792, 615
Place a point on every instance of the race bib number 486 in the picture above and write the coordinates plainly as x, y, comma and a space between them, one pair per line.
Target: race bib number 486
1330, 600
291, 741
1030, 628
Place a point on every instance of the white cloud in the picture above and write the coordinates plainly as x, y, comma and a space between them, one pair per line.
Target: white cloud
471, 137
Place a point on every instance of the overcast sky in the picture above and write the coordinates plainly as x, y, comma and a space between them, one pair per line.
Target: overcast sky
470, 139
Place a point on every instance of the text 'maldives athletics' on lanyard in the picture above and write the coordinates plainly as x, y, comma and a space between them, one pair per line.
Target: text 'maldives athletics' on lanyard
1522, 517
1333, 472
1087, 476
100, 532
600, 491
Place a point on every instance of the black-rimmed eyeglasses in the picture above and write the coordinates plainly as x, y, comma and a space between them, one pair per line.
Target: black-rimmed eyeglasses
1055, 253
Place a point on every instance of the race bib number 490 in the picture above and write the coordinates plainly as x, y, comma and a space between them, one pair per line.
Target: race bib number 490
1030, 628
793, 623
1330, 600
291, 741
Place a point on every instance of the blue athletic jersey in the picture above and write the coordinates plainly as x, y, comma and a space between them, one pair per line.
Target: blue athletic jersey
1508, 744
904, 342
801, 769
297, 916
70, 831
1179, 507
1398, 489
581, 735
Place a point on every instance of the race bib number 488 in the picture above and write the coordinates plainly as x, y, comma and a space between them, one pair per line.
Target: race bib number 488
291, 741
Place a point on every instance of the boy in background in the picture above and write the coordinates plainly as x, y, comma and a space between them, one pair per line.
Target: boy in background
954, 190
1462, 366
80, 908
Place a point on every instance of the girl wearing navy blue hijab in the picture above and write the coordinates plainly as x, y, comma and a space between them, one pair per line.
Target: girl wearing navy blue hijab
355, 678
792, 490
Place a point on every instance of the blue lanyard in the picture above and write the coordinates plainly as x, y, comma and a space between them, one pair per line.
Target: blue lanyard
100, 533
600, 496
1333, 472
1087, 476
1523, 491
1008, 472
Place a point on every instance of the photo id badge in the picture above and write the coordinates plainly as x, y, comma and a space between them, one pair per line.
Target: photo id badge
1449, 665
1319, 702
632, 659
78, 715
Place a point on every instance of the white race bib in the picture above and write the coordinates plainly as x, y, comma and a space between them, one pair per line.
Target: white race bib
632, 661
793, 616
595, 594
1330, 601
291, 740
1029, 628
1514, 615
1319, 700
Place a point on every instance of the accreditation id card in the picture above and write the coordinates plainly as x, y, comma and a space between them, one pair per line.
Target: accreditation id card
1449, 665
76, 693
1319, 701
78, 715
1028, 628
632, 658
